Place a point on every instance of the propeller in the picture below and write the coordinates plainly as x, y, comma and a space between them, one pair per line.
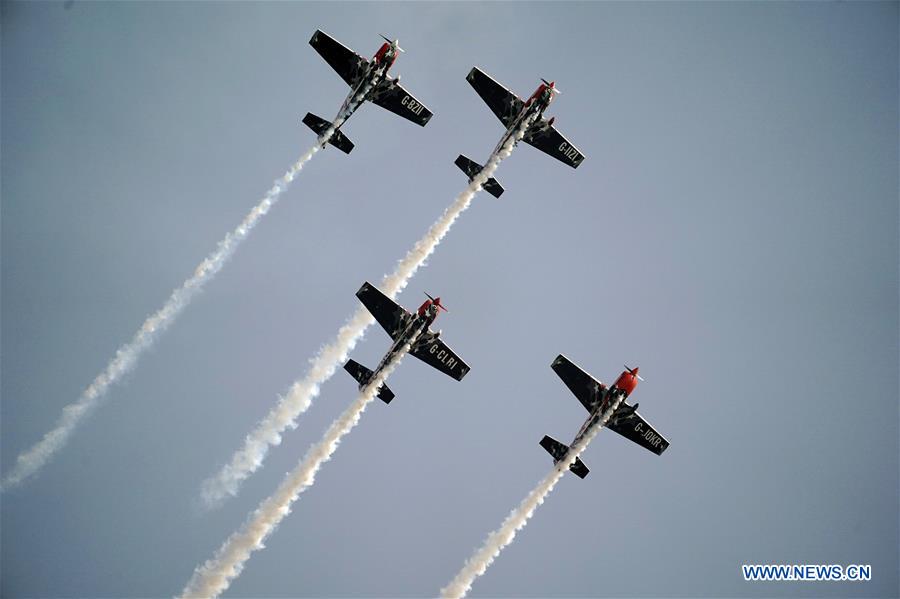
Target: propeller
394, 43
551, 85
634, 372
437, 302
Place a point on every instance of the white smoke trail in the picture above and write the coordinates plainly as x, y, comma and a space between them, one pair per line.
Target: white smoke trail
268, 431
498, 540
215, 576
32, 460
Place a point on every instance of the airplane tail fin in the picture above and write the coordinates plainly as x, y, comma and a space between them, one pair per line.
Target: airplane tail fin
320, 125
363, 375
472, 168
559, 450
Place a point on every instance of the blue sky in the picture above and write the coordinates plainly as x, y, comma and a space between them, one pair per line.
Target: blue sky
733, 231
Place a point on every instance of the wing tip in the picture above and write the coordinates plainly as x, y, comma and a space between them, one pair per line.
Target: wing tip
364, 287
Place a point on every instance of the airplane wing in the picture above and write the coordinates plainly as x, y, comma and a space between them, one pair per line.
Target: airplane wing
635, 428
391, 96
434, 352
348, 64
545, 138
389, 314
502, 102
586, 388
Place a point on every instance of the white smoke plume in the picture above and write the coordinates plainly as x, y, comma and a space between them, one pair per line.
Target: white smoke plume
268, 431
498, 540
215, 576
32, 460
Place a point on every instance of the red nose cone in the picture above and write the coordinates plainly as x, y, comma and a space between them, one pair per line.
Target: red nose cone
628, 381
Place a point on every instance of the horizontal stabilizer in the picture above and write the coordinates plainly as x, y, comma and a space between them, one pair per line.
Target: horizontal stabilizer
320, 126
363, 375
472, 168
555, 448
358, 371
559, 450
579, 469
385, 394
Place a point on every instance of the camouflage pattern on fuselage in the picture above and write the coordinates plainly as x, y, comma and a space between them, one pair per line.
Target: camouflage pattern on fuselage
532, 111
375, 72
412, 329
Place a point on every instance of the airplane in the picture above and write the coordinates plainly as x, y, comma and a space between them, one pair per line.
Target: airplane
402, 326
598, 399
512, 111
368, 80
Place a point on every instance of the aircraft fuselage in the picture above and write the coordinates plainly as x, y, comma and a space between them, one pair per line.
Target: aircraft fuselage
532, 111
418, 325
376, 73
612, 401
613, 398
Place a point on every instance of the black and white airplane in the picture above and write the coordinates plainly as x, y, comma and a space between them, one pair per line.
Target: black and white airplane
404, 326
368, 80
597, 400
512, 111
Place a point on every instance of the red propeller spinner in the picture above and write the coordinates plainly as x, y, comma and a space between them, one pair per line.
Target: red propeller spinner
634, 372
551, 85
394, 43
437, 302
